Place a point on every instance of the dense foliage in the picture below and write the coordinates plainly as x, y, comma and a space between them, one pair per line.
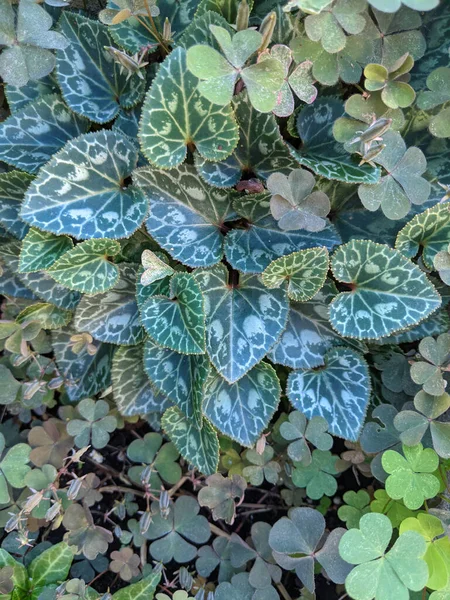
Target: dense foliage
225, 270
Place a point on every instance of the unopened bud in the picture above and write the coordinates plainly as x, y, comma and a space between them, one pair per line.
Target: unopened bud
261, 445
32, 501
146, 474
55, 383
74, 489
186, 579
106, 596
167, 30
145, 522
266, 30
164, 504
118, 531
12, 523
53, 511
243, 13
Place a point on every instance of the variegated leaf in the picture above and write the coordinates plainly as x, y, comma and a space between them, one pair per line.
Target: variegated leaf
177, 322
251, 249
19, 97
30, 137
11, 285
175, 115
180, 377
389, 292
339, 392
86, 267
243, 319
91, 81
41, 249
113, 316
144, 292
155, 268
82, 191
48, 316
132, 391
13, 186
242, 410
304, 271
186, 214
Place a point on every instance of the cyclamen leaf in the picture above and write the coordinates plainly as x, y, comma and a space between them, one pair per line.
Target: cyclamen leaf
86, 267
13, 186
90, 80
82, 192
177, 322
40, 250
155, 268
390, 292
186, 214
175, 115
339, 392
429, 230
11, 285
305, 272
19, 97
200, 447
48, 316
131, 388
180, 377
253, 248
157, 288
243, 320
242, 410
112, 316
32, 135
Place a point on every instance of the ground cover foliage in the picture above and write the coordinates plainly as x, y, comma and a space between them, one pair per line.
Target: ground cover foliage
225, 271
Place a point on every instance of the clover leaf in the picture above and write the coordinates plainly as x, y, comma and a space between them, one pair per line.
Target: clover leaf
429, 373
438, 82
317, 477
395, 510
222, 494
392, 6
13, 467
395, 92
299, 432
83, 534
95, 426
162, 460
382, 575
261, 467
356, 505
411, 477
442, 265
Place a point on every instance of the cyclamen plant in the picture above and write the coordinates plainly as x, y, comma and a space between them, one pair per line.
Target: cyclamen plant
229, 221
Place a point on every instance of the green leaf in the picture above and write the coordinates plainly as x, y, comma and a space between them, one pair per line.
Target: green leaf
162, 458
200, 447
243, 320
9, 386
392, 6
429, 230
180, 377
95, 426
379, 574
13, 186
91, 82
317, 477
339, 392
390, 293
52, 566
32, 135
167, 127
40, 250
321, 153
395, 510
410, 477
81, 190
112, 316
297, 431
48, 316
356, 505
403, 184
186, 214
178, 321
251, 249
20, 575
226, 8
13, 468
242, 410
48, 290
304, 271
141, 590
131, 388
19, 97
86, 268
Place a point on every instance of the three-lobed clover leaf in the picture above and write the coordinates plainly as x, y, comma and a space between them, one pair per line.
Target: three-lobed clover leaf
356, 505
158, 458
222, 495
395, 510
261, 466
392, 6
429, 372
411, 476
13, 467
82, 534
442, 264
219, 74
298, 431
380, 574
95, 426
438, 94
319, 476
395, 92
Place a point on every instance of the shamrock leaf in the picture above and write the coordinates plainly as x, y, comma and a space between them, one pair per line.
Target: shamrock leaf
83, 534
410, 477
261, 466
13, 467
218, 74
293, 205
429, 373
438, 83
413, 425
395, 510
382, 575
222, 495
317, 477
299, 432
195, 120
442, 264
161, 459
28, 39
125, 563
395, 92
95, 426
392, 6
213, 556
173, 537
356, 505
437, 555
389, 292
40, 250
298, 542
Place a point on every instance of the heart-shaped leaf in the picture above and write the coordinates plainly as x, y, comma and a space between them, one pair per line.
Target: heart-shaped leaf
390, 293
19, 97
242, 410
112, 316
13, 186
48, 316
154, 268
30, 137
91, 81
243, 319
186, 214
252, 248
167, 128
339, 392
82, 191
40, 250
200, 447
304, 271
180, 377
177, 322
131, 388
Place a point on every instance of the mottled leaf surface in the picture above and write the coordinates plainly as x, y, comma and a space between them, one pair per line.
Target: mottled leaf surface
13, 186
41, 249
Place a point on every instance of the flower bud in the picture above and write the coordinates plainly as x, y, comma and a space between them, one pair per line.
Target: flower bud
164, 504
243, 13
145, 522
266, 30
74, 488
